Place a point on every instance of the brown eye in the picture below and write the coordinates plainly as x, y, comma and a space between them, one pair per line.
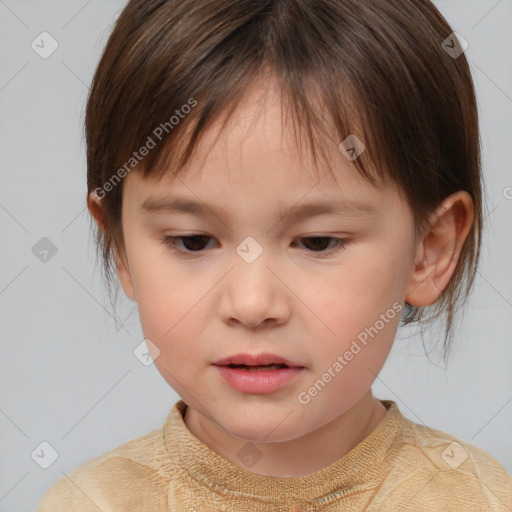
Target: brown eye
192, 243
196, 244
321, 243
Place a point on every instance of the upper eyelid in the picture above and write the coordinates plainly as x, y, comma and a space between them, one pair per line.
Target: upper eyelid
314, 235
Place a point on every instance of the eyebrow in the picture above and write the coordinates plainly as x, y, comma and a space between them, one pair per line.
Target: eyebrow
350, 208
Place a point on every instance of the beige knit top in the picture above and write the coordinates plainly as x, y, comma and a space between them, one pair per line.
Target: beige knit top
400, 466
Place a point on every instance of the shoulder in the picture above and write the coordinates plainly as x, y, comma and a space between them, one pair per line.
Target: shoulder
134, 474
433, 470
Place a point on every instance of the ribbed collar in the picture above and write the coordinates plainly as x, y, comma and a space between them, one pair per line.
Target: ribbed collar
358, 470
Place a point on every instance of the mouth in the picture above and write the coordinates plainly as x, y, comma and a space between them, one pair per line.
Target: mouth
255, 362
263, 367
259, 379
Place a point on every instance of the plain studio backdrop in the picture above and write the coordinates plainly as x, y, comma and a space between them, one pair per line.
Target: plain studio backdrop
71, 387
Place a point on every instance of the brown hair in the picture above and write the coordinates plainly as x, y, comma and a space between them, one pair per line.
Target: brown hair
378, 68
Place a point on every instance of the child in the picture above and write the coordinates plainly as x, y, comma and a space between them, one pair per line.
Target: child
261, 128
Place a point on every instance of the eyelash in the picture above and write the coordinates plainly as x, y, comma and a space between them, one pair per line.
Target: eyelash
170, 242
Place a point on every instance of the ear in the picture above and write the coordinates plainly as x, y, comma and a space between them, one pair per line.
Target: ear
96, 209
450, 224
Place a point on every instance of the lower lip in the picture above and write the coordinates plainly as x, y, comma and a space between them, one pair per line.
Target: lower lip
258, 382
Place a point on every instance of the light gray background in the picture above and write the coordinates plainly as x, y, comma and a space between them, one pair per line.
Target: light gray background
68, 372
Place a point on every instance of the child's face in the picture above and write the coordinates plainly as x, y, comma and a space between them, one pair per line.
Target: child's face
305, 300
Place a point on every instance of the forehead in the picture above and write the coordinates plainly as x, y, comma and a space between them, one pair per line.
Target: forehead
259, 151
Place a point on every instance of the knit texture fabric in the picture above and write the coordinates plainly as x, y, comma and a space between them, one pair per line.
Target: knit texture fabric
401, 466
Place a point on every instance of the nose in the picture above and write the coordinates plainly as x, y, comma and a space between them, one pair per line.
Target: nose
254, 295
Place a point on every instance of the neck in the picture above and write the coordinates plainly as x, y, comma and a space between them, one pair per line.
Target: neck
300, 456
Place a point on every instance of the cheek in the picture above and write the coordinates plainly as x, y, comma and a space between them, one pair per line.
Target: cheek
175, 324
165, 298
171, 314
352, 351
354, 295
159, 283
357, 313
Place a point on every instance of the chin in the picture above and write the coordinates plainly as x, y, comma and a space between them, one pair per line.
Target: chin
262, 428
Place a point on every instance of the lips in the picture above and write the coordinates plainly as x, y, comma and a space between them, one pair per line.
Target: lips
260, 360
258, 379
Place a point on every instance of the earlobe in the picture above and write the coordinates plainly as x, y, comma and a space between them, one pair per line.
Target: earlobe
96, 208
440, 248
